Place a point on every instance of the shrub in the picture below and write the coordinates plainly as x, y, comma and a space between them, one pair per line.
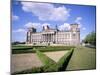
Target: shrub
21, 47
16, 49
22, 51
54, 48
32, 70
63, 62
45, 59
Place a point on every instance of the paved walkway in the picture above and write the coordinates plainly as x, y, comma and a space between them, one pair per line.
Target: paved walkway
82, 58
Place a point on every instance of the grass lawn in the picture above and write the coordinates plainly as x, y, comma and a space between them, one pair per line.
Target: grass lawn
82, 58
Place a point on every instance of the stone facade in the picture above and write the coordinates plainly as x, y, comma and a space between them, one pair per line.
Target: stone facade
54, 36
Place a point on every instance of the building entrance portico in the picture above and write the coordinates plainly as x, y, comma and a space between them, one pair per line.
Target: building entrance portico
48, 38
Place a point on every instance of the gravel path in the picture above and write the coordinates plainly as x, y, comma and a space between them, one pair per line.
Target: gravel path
21, 62
55, 55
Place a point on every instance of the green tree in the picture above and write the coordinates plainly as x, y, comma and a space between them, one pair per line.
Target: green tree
91, 38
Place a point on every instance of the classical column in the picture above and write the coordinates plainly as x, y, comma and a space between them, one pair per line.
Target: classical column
46, 37
27, 38
43, 37
51, 37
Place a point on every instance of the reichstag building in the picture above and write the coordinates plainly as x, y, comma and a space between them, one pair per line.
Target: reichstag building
51, 36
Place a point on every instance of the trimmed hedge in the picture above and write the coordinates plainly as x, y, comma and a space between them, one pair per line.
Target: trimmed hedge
32, 49
16, 49
62, 63
55, 48
22, 51
49, 64
45, 59
32, 70
19, 47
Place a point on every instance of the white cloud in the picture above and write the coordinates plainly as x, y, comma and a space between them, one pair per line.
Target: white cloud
15, 17
45, 24
83, 28
30, 24
38, 26
46, 11
65, 26
78, 21
19, 31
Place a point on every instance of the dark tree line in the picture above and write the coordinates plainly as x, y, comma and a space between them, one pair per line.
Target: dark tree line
90, 38
17, 42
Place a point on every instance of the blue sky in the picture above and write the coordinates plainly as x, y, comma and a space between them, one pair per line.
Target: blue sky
26, 14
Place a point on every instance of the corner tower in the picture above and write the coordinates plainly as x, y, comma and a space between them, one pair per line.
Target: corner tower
75, 34
29, 35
